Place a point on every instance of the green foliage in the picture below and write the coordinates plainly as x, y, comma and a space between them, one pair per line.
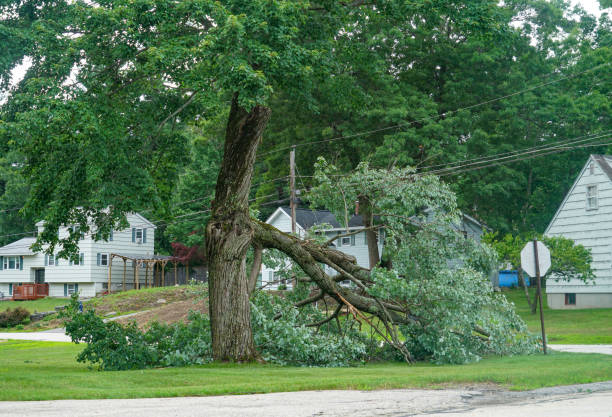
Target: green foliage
439, 276
568, 259
450, 306
13, 317
287, 341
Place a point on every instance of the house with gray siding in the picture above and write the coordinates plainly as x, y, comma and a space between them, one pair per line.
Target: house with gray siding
89, 276
355, 245
585, 216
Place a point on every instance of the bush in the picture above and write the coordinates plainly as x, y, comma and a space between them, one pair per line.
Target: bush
287, 341
13, 317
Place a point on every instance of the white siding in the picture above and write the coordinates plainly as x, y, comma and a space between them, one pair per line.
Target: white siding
590, 228
359, 250
91, 277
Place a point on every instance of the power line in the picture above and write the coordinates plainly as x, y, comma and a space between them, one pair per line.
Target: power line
558, 143
445, 114
516, 160
184, 217
525, 151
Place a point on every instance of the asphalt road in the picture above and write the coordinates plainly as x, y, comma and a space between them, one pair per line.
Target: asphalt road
581, 400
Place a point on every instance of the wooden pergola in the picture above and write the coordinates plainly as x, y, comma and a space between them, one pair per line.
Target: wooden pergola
151, 262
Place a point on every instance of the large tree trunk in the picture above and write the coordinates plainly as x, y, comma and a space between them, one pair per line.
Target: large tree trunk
228, 236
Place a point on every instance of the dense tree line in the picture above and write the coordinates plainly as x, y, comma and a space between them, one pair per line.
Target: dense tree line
152, 105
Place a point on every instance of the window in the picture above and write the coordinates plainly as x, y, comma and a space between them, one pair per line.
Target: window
99, 236
592, 169
139, 235
77, 230
50, 260
71, 289
12, 262
591, 197
570, 299
80, 261
346, 241
102, 259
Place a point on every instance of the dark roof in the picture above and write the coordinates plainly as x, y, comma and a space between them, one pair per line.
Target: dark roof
604, 164
307, 218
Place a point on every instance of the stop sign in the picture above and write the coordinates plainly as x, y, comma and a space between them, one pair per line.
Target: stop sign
528, 262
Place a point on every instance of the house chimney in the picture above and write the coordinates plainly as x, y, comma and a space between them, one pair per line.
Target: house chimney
357, 208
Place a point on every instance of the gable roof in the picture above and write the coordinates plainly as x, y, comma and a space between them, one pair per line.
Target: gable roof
603, 161
19, 247
143, 221
307, 218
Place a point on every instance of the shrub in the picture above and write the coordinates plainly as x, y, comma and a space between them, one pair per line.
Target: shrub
13, 317
289, 341
285, 341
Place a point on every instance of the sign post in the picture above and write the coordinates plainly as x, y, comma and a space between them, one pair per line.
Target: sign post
535, 261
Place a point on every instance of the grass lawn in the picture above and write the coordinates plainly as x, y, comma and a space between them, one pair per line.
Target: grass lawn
46, 371
44, 304
588, 326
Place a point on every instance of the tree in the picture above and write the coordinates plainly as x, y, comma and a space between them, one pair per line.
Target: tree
13, 194
100, 114
568, 259
436, 300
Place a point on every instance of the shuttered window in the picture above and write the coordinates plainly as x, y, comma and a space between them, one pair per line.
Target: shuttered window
12, 262
591, 202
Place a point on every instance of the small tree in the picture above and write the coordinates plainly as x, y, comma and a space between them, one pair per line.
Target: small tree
568, 259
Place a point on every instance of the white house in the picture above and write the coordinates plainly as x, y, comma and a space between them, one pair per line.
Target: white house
19, 264
355, 245
585, 216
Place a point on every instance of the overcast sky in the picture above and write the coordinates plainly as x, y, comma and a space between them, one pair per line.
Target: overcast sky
591, 6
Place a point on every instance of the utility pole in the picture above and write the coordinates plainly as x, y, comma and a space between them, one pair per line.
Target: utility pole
537, 268
292, 187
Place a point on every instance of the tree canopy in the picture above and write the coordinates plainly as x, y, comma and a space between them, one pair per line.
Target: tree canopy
123, 106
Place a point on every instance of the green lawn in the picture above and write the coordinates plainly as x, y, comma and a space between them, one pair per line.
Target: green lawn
44, 304
46, 371
589, 326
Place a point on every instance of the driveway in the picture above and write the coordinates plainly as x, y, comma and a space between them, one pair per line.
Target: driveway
604, 349
581, 400
47, 336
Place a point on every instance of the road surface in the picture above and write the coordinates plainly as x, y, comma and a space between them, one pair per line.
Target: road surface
594, 400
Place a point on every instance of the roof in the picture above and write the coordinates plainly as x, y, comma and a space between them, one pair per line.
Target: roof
19, 247
140, 257
144, 222
307, 218
604, 162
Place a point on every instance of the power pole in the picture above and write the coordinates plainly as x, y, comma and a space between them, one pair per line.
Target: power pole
292, 187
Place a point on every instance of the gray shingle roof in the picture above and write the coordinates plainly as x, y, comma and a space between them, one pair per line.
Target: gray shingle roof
604, 163
20, 247
307, 218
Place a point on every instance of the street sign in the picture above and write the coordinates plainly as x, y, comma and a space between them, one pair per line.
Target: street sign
535, 261
528, 262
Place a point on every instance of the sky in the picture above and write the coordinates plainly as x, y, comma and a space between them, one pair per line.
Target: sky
591, 6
